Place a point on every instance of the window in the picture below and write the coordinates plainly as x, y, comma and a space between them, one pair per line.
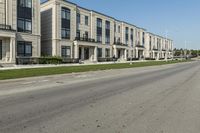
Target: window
107, 41
107, 25
150, 43
132, 37
119, 29
66, 13
24, 49
0, 49
66, 51
99, 30
24, 25
78, 34
86, 35
99, 52
25, 3
78, 18
65, 33
119, 40
99, 38
115, 28
99, 22
86, 20
107, 52
28, 25
143, 38
24, 16
127, 32
65, 26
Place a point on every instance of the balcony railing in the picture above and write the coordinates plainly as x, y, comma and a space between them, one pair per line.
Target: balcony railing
139, 46
85, 39
120, 44
5, 27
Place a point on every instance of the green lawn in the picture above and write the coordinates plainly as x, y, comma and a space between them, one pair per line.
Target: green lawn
21, 73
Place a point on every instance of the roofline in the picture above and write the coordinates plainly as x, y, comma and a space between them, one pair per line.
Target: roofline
108, 17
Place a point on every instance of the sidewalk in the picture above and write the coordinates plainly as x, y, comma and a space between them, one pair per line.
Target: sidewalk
63, 65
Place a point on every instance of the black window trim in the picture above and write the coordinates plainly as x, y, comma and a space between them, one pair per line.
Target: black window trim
24, 54
65, 48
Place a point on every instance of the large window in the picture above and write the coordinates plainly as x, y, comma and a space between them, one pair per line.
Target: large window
107, 52
126, 34
86, 20
0, 49
99, 30
25, 3
78, 34
99, 52
24, 16
119, 29
132, 37
99, 38
107, 32
86, 35
66, 13
150, 41
99, 22
24, 48
65, 30
107, 25
65, 33
143, 38
78, 18
24, 25
66, 51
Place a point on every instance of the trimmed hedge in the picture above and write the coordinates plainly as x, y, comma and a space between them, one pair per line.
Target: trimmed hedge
50, 60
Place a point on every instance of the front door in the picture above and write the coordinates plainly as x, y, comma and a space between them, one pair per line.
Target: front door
0, 49
86, 53
119, 54
79, 52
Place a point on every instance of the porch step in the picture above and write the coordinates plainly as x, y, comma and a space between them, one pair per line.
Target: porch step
89, 62
6, 65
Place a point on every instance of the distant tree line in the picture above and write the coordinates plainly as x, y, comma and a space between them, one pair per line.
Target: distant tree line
182, 52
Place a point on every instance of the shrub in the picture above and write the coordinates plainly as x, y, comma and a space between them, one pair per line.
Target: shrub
50, 60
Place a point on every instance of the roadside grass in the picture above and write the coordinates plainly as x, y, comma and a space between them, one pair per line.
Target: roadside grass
32, 72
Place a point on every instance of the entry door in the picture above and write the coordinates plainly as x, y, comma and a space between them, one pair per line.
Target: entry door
0, 49
86, 51
119, 54
80, 52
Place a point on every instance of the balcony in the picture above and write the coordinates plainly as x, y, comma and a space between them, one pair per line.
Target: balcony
85, 39
120, 44
5, 27
139, 46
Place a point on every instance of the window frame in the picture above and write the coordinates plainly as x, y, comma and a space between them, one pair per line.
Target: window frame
66, 13
24, 52
86, 20
78, 18
66, 36
24, 3
66, 49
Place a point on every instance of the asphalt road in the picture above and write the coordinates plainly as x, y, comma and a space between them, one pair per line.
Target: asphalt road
158, 99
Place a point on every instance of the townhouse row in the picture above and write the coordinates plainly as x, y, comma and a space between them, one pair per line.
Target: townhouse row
60, 28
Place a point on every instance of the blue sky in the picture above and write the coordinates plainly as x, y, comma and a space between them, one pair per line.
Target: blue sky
180, 18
